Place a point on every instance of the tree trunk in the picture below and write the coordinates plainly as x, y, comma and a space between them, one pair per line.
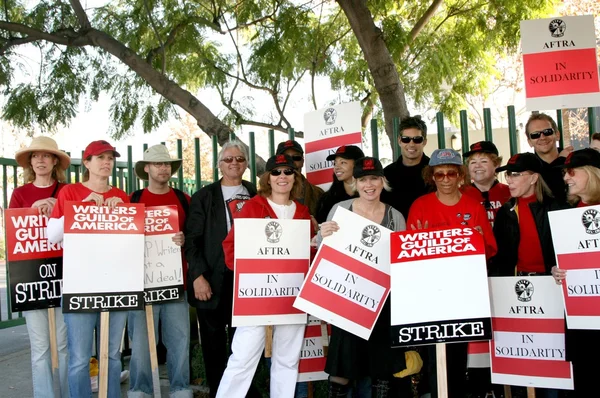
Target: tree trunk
379, 59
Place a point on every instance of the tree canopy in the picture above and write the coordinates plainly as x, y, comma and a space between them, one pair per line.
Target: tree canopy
152, 55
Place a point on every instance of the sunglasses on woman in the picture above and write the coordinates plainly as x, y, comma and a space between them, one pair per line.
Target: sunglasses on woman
570, 172
537, 134
277, 172
229, 159
439, 176
417, 140
297, 158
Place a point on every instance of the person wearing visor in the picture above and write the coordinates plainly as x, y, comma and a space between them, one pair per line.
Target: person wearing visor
449, 207
279, 188
99, 160
342, 185
350, 357
582, 176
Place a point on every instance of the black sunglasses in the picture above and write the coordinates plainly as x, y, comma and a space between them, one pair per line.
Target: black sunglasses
537, 134
277, 172
229, 159
417, 140
297, 158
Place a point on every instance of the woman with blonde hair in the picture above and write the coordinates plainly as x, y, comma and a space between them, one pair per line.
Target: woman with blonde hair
44, 173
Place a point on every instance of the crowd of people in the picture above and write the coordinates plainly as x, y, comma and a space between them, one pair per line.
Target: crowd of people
414, 192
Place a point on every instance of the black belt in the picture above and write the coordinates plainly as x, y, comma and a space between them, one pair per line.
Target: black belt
521, 273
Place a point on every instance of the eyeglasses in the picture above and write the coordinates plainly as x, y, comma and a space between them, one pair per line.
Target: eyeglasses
417, 140
297, 158
229, 159
570, 172
277, 172
513, 174
439, 176
161, 164
537, 134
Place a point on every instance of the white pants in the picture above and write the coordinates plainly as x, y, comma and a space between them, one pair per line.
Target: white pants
247, 347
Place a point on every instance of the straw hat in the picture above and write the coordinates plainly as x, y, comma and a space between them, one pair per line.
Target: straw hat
42, 144
156, 154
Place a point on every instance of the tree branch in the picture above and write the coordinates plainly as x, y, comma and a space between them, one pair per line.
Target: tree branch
155, 29
422, 22
65, 37
81, 15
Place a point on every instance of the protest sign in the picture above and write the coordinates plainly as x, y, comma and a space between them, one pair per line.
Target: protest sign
478, 354
103, 262
446, 267
313, 356
272, 257
34, 264
325, 130
349, 280
559, 63
577, 247
528, 348
163, 279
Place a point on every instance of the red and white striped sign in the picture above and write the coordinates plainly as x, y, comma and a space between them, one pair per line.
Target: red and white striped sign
559, 63
312, 356
575, 234
528, 348
325, 130
349, 279
272, 257
478, 354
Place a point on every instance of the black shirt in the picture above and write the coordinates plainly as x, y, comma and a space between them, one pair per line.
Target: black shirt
553, 177
407, 184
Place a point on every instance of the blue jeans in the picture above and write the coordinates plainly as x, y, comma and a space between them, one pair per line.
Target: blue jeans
175, 322
41, 359
80, 333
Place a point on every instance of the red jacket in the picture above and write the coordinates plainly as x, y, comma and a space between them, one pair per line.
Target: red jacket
258, 207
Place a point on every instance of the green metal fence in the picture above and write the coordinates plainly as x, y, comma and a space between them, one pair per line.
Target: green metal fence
124, 178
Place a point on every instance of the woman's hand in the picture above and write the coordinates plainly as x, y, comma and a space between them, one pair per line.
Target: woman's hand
112, 202
419, 225
94, 197
179, 238
328, 228
44, 206
559, 275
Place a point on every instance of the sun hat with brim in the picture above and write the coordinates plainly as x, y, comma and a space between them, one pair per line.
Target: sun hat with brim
522, 162
580, 158
367, 166
440, 157
156, 154
42, 144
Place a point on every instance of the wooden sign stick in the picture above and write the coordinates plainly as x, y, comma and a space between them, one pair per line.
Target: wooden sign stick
152, 347
268, 341
507, 392
103, 355
530, 392
442, 377
53, 347
324, 337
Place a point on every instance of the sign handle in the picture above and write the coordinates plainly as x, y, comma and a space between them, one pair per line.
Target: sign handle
507, 392
152, 347
530, 392
442, 377
325, 338
53, 347
268, 341
103, 356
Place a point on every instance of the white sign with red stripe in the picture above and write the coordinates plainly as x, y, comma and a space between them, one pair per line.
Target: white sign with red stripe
313, 356
478, 354
349, 280
103, 260
448, 267
325, 130
576, 238
271, 261
528, 348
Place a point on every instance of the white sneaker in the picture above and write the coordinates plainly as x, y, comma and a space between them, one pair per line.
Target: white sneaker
124, 376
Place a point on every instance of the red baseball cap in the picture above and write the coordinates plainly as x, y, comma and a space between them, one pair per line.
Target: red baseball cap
96, 148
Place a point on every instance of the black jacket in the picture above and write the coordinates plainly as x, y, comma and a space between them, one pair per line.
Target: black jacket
407, 184
553, 176
206, 228
506, 231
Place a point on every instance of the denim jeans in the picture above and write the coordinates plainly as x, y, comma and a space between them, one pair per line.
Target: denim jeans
41, 358
175, 330
80, 333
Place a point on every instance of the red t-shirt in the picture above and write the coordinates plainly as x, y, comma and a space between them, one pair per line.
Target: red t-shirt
170, 198
496, 197
467, 212
78, 192
28, 194
530, 257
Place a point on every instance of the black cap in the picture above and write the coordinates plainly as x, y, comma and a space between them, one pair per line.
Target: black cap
289, 144
482, 147
582, 157
367, 166
522, 162
347, 152
279, 161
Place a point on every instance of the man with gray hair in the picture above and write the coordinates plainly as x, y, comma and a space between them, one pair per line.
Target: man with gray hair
211, 283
